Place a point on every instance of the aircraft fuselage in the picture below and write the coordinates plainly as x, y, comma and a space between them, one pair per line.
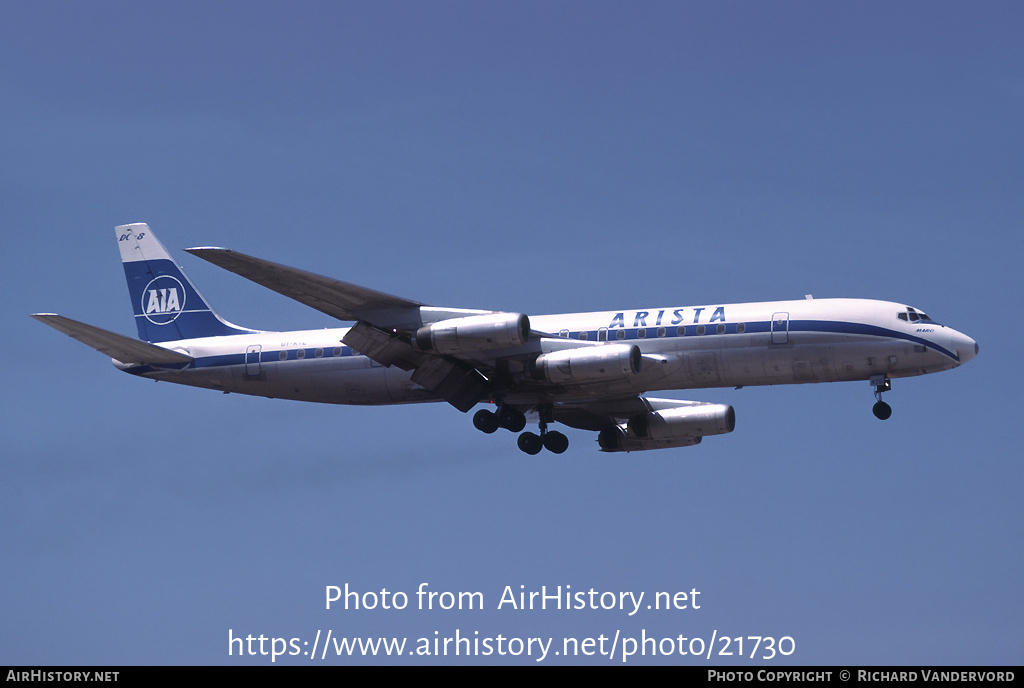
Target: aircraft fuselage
692, 347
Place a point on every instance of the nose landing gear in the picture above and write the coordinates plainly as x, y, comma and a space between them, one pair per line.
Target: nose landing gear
881, 409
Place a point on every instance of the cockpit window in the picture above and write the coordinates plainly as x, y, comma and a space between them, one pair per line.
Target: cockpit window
912, 315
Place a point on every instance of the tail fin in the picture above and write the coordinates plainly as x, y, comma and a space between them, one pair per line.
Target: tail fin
167, 305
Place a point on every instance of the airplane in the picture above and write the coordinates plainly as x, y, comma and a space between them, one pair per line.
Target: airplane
584, 370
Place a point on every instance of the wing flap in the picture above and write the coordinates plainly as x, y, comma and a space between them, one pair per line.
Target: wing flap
117, 346
382, 347
459, 384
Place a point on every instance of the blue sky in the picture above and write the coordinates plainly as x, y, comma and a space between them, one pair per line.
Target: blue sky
537, 158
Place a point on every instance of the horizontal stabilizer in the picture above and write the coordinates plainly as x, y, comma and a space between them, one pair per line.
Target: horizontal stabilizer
338, 299
117, 346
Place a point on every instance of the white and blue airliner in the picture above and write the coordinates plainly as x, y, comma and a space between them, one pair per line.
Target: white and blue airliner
584, 370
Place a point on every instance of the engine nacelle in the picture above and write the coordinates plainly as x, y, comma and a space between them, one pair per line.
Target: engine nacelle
617, 439
682, 422
674, 426
474, 333
589, 364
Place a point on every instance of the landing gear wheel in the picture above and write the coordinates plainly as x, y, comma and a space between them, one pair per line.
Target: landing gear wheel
881, 409
555, 442
485, 421
510, 419
530, 443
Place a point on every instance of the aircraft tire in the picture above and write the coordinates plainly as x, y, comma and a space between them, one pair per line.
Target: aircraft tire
530, 443
881, 410
485, 421
555, 442
511, 419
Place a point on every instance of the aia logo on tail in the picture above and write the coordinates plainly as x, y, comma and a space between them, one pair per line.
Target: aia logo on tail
163, 300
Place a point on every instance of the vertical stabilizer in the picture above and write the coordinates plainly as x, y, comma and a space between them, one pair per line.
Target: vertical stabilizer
167, 305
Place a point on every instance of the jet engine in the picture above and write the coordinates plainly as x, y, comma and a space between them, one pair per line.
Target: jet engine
683, 421
680, 426
605, 362
474, 333
616, 439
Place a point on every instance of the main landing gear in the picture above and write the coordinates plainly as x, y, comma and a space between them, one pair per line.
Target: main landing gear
513, 420
881, 409
505, 417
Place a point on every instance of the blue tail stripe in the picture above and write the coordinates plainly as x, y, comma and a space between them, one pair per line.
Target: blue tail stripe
167, 305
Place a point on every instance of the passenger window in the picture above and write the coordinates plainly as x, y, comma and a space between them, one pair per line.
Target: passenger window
680, 331
584, 335
741, 328
641, 333
720, 329
602, 334
564, 334
701, 329
337, 351
661, 332
319, 353
301, 353
620, 334
283, 355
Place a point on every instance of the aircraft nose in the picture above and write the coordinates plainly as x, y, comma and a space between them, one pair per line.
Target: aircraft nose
965, 347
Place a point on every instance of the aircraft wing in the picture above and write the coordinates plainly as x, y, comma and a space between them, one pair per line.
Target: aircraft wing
338, 299
596, 414
384, 328
117, 346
